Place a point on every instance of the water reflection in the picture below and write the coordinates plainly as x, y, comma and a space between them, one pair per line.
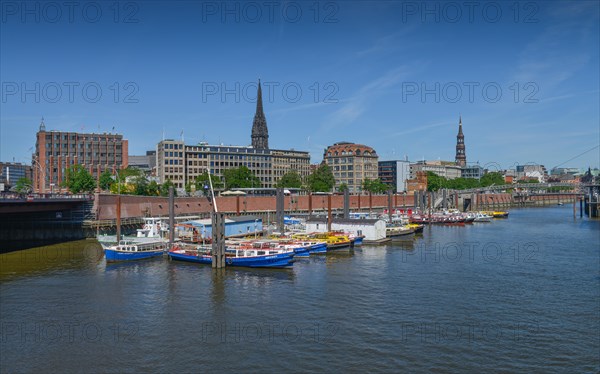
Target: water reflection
36, 261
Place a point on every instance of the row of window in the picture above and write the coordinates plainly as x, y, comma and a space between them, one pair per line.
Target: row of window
82, 145
66, 137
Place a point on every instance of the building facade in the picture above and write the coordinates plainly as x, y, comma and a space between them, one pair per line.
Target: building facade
181, 163
56, 151
11, 172
351, 164
472, 171
531, 171
146, 163
446, 169
395, 174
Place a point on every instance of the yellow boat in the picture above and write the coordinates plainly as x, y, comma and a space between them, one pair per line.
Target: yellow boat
497, 214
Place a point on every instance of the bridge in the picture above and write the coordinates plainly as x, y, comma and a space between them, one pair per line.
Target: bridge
533, 186
39, 219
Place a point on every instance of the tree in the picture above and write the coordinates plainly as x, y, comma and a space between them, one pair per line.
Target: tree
435, 182
140, 186
493, 178
164, 188
202, 182
375, 186
241, 177
129, 172
23, 185
78, 179
106, 180
153, 189
321, 179
291, 179
342, 187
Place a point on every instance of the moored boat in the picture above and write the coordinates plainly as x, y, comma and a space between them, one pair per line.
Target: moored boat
132, 250
253, 258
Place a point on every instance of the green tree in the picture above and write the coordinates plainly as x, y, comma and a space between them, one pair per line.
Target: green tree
342, 187
374, 186
106, 180
153, 189
493, 178
164, 188
291, 179
140, 186
321, 179
435, 182
129, 172
23, 185
78, 179
241, 177
202, 180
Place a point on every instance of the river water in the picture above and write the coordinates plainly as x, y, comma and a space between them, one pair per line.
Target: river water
514, 295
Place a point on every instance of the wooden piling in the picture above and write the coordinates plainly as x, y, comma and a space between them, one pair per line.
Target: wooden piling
389, 196
218, 240
346, 204
171, 216
329, 212
118, 218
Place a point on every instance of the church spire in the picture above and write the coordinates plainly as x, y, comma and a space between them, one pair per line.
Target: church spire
42, 125
260, 133
259, 104
461, 157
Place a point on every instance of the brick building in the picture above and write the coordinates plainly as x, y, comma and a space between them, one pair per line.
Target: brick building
56, 151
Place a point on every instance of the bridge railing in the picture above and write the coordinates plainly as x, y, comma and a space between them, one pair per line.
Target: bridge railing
15, 196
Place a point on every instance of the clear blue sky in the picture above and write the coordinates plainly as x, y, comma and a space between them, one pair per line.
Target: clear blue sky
370, 61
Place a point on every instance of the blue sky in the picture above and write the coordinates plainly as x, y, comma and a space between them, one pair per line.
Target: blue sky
393, 75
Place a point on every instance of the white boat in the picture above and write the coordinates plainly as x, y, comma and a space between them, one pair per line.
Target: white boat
482, 217
153, 228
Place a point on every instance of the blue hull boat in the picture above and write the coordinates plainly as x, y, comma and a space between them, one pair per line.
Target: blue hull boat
302, 252
130, 251
113, 255
318, 248
267, 261
358, 240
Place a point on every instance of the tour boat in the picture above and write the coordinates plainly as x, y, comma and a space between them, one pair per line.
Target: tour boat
482, 217
253, 258
397, 231
135, 250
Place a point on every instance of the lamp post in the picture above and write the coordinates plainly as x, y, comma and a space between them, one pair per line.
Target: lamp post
42, 172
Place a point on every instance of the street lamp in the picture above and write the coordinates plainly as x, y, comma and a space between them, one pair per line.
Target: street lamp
42, 172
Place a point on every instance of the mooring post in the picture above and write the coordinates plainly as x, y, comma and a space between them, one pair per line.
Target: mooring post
580, 206
218, 240
346, 203
279, 202
389, 196
171, 216
309, 204
329, 212
118, 218
574, 209
370, 202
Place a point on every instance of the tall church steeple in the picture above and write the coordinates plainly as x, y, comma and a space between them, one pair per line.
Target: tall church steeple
260, 133
461, 157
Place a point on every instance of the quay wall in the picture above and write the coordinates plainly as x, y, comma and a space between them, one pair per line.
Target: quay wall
141, 206
148, 206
